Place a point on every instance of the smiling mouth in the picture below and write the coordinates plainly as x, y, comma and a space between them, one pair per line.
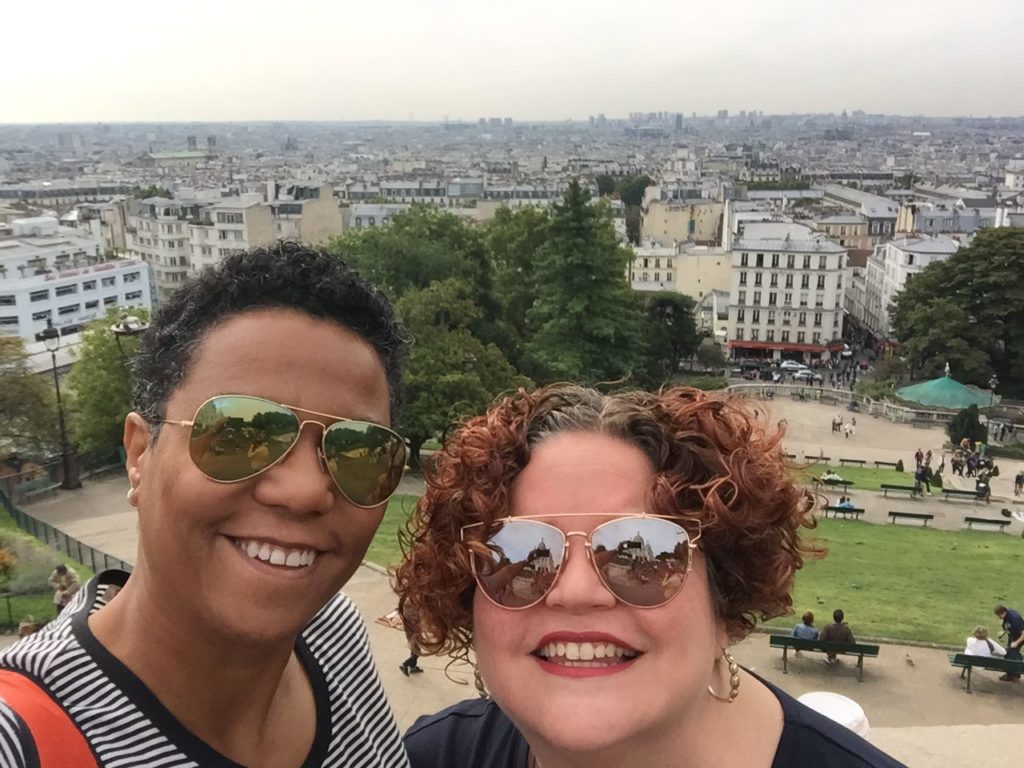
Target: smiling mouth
274, 554
585, 655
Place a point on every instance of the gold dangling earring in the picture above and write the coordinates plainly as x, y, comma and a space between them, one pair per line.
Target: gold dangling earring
478, 681
734, 679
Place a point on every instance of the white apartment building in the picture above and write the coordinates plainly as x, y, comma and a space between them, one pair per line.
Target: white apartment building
158, 235
786, 298
49, 272
889, 268
369, 215
653, 268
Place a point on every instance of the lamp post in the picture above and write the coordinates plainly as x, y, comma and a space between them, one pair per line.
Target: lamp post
992, 384
70, 481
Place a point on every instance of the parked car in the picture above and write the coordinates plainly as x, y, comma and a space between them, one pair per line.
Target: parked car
792, 365
808, 376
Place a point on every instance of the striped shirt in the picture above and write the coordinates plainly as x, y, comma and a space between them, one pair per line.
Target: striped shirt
128, 727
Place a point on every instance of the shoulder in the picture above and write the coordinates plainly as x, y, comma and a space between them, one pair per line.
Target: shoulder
810, 738
471, 734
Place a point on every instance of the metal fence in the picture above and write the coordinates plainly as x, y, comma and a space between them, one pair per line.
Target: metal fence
28, 480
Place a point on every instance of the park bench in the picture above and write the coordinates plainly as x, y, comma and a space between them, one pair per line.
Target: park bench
847, 462
844, 484
860, 650
956, 493
973, 521
889, 464
789, 455
967, 662
922, 516
853, 512
32, 488
886, 487
825, 459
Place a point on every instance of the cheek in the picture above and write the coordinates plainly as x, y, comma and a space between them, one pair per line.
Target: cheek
497, 637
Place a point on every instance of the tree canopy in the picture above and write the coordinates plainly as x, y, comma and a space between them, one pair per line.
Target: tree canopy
968, 311
28, 408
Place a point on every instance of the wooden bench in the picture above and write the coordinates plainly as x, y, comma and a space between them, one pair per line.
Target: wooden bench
889, 464
922, 516
956, 493
973, 521
847, 462
860, 650
967, 662
789, 455
846, 512
844, 484
886, 487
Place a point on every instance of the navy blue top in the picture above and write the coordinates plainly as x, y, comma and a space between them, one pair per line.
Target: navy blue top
1013, 624
476, 734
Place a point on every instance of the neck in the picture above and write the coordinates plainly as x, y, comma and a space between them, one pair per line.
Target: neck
219, 688
713, 735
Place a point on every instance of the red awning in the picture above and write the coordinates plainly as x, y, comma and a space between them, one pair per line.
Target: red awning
784, 346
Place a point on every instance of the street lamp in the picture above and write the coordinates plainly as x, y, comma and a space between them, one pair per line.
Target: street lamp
992, 384
70, 481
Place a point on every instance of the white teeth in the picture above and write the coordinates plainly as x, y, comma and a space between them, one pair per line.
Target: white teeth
572, 651
559, 649
599, 651
292, 558
585, 654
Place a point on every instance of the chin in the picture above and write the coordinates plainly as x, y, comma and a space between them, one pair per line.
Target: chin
582, 726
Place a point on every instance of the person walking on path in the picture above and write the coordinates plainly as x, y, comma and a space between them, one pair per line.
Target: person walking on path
836, 632
1013, 627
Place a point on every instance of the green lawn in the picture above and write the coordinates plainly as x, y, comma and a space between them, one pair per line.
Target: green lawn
384, 548
863, 478
909, 583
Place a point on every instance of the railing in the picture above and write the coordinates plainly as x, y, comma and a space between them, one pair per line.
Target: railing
35, 480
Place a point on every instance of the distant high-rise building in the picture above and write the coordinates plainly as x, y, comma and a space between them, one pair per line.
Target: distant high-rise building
508, 121
211, 143
193, 144
482, 122
679, 121
723, 114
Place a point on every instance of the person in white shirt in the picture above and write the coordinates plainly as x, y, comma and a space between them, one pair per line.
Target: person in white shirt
979, 644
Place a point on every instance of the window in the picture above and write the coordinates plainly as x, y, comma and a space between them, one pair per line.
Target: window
66, 290
874, 227
788, 299
134, 295
657, 263
741, 315
773, 280
70, 309
819, 300
775, 260
755, 316
754, 334
842, 230
743, 278
757, 298
822, 261
741, 297
657, 277
770, 335
910, 260
802, 318
9, 320
230, 218
807, 261
771, 299
887, 226
744, 259
43, 295
790, 261
109, 300
803, 299
805, 281
647, 263
800, 337
359, 222
645, 277
785, 337
668, 277
760, 260
222, 234
786, 314
89, 285
816, 337
789, 281
131, 277
46, 314
92, 304
373, 221
821, 282
108, 282
771, 317
817, 319
739, 334
757, 278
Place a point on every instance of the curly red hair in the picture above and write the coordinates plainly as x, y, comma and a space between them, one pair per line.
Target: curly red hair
715, 461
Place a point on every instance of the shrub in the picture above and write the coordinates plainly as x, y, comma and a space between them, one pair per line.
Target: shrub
899, 466
706, 382
32, 565
1006, 451
966, 424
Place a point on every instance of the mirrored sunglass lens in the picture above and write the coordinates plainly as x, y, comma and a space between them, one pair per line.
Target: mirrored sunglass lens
236, 437
365, 460
524, 559
642, 560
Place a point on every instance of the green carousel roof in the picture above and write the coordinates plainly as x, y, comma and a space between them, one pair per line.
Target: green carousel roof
943, 392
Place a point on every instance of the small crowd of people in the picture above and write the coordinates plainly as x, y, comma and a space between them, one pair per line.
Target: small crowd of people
836, 632
847, 428
980, 644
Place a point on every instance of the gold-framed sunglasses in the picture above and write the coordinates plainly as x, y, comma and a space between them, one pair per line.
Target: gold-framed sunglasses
642, 559
237, 437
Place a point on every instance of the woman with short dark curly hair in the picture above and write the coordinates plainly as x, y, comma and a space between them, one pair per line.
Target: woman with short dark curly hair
599, 554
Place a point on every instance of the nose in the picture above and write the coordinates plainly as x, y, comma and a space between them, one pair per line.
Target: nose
578, 589
298, 483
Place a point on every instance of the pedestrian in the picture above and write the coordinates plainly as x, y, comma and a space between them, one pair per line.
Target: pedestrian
918, 457
64, 583
836, 632
410, 665
928, 459
1013, 628
1018, 483
923, 475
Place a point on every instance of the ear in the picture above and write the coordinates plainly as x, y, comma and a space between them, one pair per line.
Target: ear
136, 447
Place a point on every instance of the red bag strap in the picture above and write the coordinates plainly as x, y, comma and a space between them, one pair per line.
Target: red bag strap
57, 739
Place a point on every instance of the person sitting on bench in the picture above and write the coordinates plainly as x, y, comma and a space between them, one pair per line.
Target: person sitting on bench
805, 629
979, 644
836, 632
845, 503
831, 476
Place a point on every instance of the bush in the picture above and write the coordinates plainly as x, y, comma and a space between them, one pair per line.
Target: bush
706, 382
899, 466
966, 424
1006, 451
32, 564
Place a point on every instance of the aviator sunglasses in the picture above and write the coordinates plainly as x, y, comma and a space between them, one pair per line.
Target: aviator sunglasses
641, 559
236, 437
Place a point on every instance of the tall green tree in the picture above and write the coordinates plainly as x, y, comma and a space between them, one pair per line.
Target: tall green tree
99, 385
587, 325
631, 189
969, 309
144, 193
671, 335
28, 410
605, 184
450, 373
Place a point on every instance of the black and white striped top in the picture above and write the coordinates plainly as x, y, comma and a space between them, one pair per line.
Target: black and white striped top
128, 727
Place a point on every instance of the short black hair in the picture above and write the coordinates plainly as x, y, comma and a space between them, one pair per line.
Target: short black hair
283, 276
838, 615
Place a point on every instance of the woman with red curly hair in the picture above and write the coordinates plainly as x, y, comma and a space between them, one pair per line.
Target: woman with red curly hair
599, 554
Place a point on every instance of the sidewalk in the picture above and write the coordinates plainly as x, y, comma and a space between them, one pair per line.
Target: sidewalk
913, 698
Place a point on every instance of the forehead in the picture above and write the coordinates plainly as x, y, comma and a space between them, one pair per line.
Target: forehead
575, 473
289, 357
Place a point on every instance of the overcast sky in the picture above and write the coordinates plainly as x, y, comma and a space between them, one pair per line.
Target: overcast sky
110, 61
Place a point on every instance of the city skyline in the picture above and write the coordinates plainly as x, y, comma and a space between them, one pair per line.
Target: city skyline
396, 61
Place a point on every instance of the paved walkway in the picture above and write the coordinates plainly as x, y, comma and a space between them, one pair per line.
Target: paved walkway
913, 698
